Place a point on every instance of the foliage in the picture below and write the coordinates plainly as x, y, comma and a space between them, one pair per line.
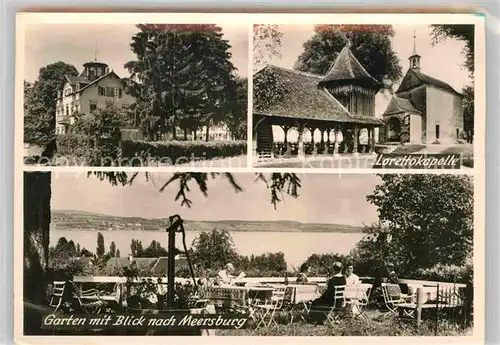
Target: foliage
213, 250
178, 152
100, 245
40, 104
461, 32
180, 76
468, 102
112, 249
236, 116
322, 264
268, 89
266, 43
117, 253
100, 133
425, 220
370, 44
265, 265
155, 250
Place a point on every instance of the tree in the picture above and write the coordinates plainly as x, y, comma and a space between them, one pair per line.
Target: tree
118, 253
78, 251
370, 44
180, 76
213, 250
322, 264
100, 251
266, 43
40, 105
427, 219
236, 115
112, 249
136, 248
468, 102
155, 250
461, 32
100, 132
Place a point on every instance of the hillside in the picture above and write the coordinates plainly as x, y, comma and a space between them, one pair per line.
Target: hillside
77, 220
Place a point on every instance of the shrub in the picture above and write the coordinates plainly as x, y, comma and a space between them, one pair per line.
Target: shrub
176, 152
73, 149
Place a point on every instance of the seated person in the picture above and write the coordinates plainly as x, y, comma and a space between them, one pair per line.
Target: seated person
350, 277
227, 277
327, 299
302, 277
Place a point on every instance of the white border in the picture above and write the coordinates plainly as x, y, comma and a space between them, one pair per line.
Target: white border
247, 19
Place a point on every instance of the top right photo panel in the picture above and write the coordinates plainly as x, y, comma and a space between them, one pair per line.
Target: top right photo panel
363, 96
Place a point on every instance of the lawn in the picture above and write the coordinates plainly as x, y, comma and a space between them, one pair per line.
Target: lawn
378, 326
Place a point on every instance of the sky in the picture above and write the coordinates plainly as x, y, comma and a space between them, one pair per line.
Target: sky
75, 44
323, 198
442, 61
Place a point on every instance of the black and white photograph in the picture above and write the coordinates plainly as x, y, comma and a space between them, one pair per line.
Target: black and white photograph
211, 174
136, 95
334, 96
294, 254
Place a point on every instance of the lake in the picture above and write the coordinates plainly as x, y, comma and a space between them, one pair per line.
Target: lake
297, 246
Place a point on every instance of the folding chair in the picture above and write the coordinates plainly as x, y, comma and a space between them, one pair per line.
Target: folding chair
93, 307
331, 313
267, 310
57, 296
360, 300
396, 302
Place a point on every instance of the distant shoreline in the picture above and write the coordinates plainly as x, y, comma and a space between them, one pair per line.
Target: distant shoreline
86, 221
198, 230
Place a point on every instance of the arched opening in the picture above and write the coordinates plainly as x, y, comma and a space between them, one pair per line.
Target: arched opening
393, 129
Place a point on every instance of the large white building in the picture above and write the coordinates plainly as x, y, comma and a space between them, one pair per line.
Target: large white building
83, 94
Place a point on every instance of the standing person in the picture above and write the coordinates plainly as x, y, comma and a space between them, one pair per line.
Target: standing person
351, 278
363, 140
304, 270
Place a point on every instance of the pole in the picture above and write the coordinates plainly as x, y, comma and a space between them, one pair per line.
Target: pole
171, 266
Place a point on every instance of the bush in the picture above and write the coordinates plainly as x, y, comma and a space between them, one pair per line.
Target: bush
176, 152
72, 148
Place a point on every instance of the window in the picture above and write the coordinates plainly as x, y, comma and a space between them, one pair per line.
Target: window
67, 109
437, 131
115, 92
99, 73
458, 133
93, 106
92, 71
120, 93
101, 91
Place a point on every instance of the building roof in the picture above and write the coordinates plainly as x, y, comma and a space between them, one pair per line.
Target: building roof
400, 105
74, 79
304, 99
415, 78
347, 69
158, 265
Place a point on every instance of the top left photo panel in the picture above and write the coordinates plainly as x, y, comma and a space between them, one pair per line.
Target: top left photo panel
135, 95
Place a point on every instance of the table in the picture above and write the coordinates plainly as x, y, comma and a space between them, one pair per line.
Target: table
236, 294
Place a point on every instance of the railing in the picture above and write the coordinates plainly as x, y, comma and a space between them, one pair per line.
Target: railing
446, 305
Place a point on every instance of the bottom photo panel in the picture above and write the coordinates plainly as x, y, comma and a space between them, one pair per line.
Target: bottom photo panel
247, 254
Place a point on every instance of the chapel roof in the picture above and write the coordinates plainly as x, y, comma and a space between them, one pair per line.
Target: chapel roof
414, 78
348, 69
304, 99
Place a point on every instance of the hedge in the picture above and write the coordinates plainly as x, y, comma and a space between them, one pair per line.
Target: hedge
172, 152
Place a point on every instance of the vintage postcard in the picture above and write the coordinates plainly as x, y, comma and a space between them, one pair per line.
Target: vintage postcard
249, 175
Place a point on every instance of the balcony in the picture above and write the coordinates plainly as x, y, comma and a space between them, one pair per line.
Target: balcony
63, 119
